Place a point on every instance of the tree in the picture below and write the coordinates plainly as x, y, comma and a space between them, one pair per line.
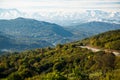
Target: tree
14, 76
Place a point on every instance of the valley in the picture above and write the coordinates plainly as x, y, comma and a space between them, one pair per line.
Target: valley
28, 33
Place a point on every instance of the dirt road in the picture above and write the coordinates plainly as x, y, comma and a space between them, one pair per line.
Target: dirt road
96, 50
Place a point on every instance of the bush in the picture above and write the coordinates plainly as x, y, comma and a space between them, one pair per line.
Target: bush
14, 76
54, 76
59, 66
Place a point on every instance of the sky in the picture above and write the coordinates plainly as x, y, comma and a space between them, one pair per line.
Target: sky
60, 4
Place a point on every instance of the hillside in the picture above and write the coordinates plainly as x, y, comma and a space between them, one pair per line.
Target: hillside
7, 44
107, 40
92, 28
64, 62
31, 28
5, 41
33, 32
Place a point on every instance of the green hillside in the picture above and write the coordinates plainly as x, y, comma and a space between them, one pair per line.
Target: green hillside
64, 62
109, 40
8, 44
27, 32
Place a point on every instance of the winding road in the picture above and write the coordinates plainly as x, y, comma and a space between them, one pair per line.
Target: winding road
116, 53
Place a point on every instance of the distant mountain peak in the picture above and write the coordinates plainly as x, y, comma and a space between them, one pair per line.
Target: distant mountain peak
20, 18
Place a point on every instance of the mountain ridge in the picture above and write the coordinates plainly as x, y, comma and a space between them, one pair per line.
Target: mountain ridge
30, 31
92, 28
27, 31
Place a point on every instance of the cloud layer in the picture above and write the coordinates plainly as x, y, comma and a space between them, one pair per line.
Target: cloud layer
61, 4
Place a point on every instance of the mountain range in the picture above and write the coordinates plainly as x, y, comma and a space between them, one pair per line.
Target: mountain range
24, 33
30, 33
91, 28
63, 17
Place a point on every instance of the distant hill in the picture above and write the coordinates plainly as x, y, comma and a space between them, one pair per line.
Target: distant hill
5, 42
8, 44
34, 33
32, 28
109, 40
92, 28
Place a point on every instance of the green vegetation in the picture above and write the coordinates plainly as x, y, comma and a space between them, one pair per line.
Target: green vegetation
64, 62
108, 40
22, 33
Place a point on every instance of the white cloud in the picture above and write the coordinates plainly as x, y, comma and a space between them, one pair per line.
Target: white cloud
60, 10
60, 4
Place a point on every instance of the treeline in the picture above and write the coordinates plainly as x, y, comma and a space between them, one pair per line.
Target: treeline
108, 40
64, 62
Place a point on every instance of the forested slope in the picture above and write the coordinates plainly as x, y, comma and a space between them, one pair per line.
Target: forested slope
108, 40
64, 62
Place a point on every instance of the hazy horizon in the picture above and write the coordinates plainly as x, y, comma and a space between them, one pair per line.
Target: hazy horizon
72, 5
62, 11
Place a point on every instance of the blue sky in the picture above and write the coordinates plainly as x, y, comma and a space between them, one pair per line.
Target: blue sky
60, 4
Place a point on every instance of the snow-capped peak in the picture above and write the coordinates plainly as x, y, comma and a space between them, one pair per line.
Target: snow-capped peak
63, 17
